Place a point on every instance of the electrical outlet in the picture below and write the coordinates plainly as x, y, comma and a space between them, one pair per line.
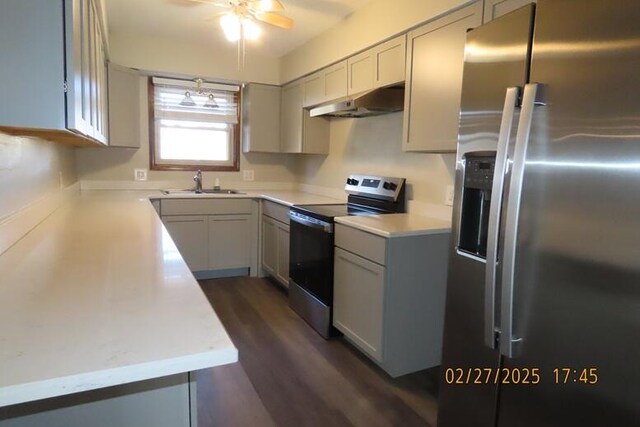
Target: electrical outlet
140, 174
247, 175
448, 200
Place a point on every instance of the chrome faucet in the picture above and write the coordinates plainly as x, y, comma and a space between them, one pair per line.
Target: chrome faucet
198, 179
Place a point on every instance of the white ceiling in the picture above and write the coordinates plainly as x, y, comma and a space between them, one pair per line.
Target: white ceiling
187, 21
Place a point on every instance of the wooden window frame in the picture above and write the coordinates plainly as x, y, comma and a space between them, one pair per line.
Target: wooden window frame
235, 167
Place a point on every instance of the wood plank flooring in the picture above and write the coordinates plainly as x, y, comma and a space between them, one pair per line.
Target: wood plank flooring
290, 376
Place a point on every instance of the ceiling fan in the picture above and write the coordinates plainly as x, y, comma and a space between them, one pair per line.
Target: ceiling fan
239, 21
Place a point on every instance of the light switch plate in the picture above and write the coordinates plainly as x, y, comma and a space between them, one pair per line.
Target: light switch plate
140, 174
450, 195
247, 175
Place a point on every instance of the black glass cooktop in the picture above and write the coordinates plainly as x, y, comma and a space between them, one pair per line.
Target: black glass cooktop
328, 212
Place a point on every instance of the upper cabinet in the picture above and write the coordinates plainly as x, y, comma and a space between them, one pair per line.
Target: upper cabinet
261, 118
124, 107
434, 81
55, 81
495, 8
382, 65
325, 85
300, 133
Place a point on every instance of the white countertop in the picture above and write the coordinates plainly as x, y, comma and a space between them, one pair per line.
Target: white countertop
396, 225
284, 197
98, 295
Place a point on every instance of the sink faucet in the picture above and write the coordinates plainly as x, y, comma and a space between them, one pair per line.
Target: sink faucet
198, 179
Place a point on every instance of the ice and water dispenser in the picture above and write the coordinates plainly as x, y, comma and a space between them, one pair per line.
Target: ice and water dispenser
476, 199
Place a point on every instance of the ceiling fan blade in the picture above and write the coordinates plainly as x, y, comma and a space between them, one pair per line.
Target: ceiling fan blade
215, 16
267, 5
219, 3
275, 19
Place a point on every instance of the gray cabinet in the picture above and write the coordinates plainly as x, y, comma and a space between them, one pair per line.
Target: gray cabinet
389, 296
325, 85
189, 233
434, 81
379, 66
213, 234
55, 84
301, 133
275, 241
124, 107
495, 8
261, 118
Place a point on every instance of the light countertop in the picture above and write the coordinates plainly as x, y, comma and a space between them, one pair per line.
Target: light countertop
98, 295
396, 225
284, 197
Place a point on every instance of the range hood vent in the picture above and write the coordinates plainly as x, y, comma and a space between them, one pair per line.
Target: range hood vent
366, 104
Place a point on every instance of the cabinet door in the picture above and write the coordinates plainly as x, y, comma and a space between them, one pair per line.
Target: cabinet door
434, 81
358, 301
313, 89
335, 81
100, 125
77, 58
496, 8
390, 61
229, 241
269, 245
291, 125
124, 107
360, 72
190, 235
261, 118
282, 271
315, 134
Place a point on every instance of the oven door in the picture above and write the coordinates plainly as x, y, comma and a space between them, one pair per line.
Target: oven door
311, 256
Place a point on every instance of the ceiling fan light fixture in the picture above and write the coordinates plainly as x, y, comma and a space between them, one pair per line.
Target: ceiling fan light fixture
211, 102
230, 23
251, 29
187, 101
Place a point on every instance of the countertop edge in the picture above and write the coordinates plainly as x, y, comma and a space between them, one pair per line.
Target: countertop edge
54, 387
345, 220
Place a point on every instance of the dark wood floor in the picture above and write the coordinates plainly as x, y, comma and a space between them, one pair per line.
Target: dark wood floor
289, 376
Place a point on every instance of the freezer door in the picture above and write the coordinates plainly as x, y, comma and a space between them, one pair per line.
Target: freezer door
496, 58
576, 277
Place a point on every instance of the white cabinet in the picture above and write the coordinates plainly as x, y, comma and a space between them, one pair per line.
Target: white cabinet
389, 296
382, 65
55, 84
301, 133
495, 8
261, 118
189, 233
124, 107
275, 241
213, 234
325, 85
435, 62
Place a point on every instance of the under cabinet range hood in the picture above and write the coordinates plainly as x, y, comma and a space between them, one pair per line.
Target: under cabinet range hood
371, 103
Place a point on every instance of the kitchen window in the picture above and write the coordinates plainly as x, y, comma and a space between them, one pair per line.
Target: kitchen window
193, 125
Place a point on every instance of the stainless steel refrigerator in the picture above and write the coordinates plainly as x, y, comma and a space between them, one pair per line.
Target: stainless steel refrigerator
542, 321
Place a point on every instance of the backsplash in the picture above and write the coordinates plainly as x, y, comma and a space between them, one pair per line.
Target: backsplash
31, 169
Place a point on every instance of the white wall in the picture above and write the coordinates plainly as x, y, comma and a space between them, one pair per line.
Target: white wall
156, 54
369, 25
30, 169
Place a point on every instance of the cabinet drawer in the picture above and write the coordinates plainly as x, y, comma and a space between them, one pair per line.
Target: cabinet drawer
364, 244
276, 211
206, 206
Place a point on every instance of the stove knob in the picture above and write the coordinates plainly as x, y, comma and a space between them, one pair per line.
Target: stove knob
353, 182
348, 181
389, 186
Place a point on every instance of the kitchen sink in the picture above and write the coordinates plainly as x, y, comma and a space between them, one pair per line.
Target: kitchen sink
203, 192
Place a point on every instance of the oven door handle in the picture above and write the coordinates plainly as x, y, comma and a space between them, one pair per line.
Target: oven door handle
311, 222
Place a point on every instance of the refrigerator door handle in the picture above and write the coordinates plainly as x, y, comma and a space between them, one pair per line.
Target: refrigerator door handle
532, 93
499, 176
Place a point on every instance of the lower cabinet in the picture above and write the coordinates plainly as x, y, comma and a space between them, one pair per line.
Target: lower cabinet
189, 233
275, 241
213, 234
389, 296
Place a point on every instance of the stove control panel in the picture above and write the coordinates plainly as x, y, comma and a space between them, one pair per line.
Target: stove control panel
387, 188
